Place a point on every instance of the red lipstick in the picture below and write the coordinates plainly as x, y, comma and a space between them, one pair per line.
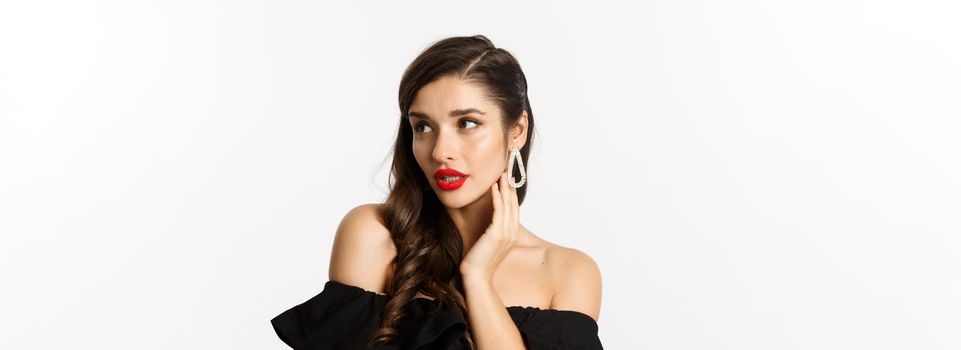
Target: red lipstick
449, 184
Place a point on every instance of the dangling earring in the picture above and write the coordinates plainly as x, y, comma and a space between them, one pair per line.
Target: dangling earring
510, 167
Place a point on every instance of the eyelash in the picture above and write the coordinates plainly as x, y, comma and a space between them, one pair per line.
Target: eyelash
419, 124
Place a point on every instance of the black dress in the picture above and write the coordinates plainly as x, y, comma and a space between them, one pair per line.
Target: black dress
343, 316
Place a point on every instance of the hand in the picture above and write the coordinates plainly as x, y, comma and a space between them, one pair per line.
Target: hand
499, 238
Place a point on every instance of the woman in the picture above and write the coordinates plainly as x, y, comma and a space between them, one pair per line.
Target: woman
399, 276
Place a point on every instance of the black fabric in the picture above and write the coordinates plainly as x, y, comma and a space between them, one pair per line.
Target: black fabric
343, 316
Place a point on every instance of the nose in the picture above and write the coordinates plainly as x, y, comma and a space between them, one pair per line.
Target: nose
445, 148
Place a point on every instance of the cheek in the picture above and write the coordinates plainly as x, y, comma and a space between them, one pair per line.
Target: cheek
492, 164
420, 155
424, 159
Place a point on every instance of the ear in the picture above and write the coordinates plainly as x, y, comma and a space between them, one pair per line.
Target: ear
518, 132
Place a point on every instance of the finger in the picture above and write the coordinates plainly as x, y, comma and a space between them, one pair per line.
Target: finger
496, 199
515, 213
510, 215
508, 205
505, 203
512, 196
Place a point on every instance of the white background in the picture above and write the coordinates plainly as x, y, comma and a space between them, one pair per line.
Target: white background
747, 174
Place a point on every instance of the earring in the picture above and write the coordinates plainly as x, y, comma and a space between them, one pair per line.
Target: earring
510, 167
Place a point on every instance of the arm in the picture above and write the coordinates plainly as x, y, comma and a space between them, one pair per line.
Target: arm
491, 325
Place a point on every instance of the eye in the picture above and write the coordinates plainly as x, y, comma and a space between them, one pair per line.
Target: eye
417, 127
470, 121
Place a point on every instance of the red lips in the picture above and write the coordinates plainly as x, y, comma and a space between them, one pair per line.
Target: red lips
447, 172
449, 185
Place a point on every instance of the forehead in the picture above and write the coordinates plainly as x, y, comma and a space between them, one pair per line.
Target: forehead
449, 93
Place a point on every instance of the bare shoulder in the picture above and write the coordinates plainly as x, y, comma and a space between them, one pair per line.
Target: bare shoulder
362, 249
577, 280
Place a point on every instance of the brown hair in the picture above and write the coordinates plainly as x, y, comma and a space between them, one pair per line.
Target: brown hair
429, 246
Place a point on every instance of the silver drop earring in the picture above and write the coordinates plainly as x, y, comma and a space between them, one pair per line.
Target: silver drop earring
515, 153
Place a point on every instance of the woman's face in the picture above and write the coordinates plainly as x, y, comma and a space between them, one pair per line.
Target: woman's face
457, 127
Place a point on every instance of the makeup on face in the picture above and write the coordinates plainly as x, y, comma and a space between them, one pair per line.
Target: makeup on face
449, 179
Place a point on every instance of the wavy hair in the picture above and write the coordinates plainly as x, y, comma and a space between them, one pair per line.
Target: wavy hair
429, 246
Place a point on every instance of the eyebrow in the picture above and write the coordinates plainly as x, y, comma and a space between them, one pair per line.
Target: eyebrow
452, 114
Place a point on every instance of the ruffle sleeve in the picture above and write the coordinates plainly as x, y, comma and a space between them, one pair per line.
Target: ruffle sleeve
543, 329
344, 317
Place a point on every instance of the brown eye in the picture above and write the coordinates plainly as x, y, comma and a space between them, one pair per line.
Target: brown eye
470, 121
417, 127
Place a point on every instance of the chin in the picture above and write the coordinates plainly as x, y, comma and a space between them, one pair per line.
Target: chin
455, 200
451, 201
